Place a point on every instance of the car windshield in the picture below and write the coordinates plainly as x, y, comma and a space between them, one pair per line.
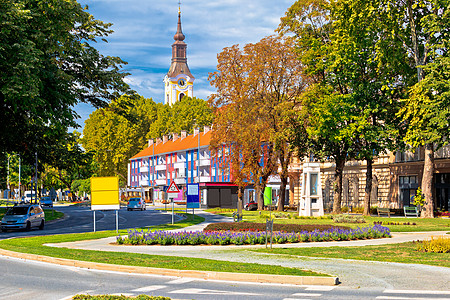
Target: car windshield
133, 201
18, 211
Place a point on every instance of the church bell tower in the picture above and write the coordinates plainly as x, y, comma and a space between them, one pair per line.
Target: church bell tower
179, 81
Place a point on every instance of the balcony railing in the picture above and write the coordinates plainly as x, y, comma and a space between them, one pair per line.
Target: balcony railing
160, 167
205, 162
179, 180
143, 169
179, 165
161, 182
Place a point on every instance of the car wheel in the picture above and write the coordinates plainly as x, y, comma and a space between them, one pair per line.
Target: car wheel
42, 225
28, 226
128, 209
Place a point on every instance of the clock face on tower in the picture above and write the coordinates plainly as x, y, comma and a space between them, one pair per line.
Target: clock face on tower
181, 82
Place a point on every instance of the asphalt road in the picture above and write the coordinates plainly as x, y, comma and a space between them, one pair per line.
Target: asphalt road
80, 219
21, 279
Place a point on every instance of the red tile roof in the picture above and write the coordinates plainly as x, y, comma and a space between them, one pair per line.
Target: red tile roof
187, 143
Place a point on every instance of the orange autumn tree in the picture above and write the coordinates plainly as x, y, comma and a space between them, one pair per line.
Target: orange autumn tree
256, 91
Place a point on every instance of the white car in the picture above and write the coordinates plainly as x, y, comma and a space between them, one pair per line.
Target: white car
24, 217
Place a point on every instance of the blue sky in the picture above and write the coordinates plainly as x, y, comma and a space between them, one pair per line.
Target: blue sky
144, 30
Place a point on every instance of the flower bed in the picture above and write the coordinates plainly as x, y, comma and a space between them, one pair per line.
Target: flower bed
393, 223
247, 226
142, 237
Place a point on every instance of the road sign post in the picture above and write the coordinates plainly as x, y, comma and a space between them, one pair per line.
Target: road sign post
172, 193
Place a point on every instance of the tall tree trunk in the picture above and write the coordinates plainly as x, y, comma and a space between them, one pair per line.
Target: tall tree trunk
427, 182
240, 198
368, 189
259, 197
338, 186
280, 204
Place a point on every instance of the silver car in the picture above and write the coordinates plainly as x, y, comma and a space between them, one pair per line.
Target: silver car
136, 203
23, 217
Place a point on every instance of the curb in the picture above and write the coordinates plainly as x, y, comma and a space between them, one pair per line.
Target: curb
206, 275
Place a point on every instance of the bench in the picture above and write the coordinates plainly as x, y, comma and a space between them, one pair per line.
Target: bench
411, 211
386, 211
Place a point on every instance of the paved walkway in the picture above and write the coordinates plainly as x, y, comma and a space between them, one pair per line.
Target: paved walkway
352, 273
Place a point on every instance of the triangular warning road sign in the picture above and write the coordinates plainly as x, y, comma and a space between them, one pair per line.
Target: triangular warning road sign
173, 188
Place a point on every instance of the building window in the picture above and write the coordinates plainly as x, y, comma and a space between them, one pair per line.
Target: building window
408, 186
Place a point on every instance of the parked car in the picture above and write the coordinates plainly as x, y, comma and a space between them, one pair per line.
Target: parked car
23, 217
136, 203
46, 201
252, 205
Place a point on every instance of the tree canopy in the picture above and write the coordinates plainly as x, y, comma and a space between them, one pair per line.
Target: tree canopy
256, 89
49, 64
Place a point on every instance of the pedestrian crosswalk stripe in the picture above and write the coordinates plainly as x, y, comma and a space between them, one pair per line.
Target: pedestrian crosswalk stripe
320, 288
149, 288
307, 294
417, 292
210, 292
409, 298
181, 281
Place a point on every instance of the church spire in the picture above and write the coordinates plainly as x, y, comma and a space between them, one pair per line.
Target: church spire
179, 59
179, 80
179, 36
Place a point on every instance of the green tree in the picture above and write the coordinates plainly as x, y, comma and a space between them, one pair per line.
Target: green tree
69, 162
331, 116
183, 115
354, 58
426, 110
49, 64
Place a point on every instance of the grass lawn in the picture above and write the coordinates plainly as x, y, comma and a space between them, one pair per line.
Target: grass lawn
436, 224
400, 253
34, 245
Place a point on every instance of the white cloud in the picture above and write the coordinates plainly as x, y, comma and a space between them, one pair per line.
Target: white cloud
144, 29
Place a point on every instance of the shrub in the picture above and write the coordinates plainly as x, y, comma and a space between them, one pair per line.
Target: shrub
348, 219
116, 297
437, 245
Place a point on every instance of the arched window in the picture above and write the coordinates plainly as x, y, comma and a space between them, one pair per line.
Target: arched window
181, 96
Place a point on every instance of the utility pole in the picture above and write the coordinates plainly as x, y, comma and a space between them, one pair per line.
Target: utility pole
7, 184
36, 179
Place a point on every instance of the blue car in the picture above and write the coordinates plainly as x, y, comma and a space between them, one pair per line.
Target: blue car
136, 204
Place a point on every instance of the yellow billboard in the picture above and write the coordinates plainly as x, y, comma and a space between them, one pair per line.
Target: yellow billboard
105, 193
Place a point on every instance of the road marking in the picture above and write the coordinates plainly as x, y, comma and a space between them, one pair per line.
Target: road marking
150, 288
307, 294
320, 288
210, 292
79, 293
181, 281
408, 298
417, 292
